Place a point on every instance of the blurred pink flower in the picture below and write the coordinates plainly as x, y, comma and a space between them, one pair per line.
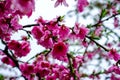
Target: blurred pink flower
113, 77
27, 70
14, 23
58, 2
64, 32
78, 60
8, 61
81, 4
37, 32
20, 49
98, 31
116, 22
114, 55
83, 31
25, 7
114, 69
46, 40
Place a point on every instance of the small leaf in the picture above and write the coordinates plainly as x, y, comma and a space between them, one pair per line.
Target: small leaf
104, 13
118, 11
96, 38
1, 77
60, 18
89, 26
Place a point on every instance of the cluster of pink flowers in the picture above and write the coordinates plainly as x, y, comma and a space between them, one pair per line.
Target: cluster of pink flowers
7, 61
45, 70
53, 36
115, 70
10, 12
20, 49
113, 54
81, 4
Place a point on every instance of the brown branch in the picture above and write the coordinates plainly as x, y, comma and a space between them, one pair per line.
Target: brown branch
101, 21
72, 71
97, 43
13, 59
30, 25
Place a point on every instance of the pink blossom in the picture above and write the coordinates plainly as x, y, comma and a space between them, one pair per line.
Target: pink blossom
14, 23
53, 25
90, 55
49, 77
43, 68
14, 45
42, 71
64, 32
113, 77
84, 43
80, 31
83, 31
114, 10
8, 61
20, 49
5, 31
46, 40
5, 8
72, 36
81, 4
59, 50
78, 60
44, 64
65, 75
25, 7
37, 32
116, 22
58, 2
114, 55
24, 48
27, 69
114, 69
98, 31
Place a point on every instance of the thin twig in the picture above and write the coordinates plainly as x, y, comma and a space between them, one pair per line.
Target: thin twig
97, 43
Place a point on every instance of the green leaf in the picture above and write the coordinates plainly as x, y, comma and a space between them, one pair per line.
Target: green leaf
96, 38
89, 26
1, 77
118, 11
60, 18
104, 13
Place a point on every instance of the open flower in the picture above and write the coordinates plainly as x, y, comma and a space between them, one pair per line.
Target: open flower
83, 31
59, 50
114, 55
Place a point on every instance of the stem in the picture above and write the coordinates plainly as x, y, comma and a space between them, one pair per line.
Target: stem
97, 43
46, 52
30, 25
13, 59
72, 71
101, 21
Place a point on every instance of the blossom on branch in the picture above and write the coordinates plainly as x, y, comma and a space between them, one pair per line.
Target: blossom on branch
59, 50
20, 49
114, 54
